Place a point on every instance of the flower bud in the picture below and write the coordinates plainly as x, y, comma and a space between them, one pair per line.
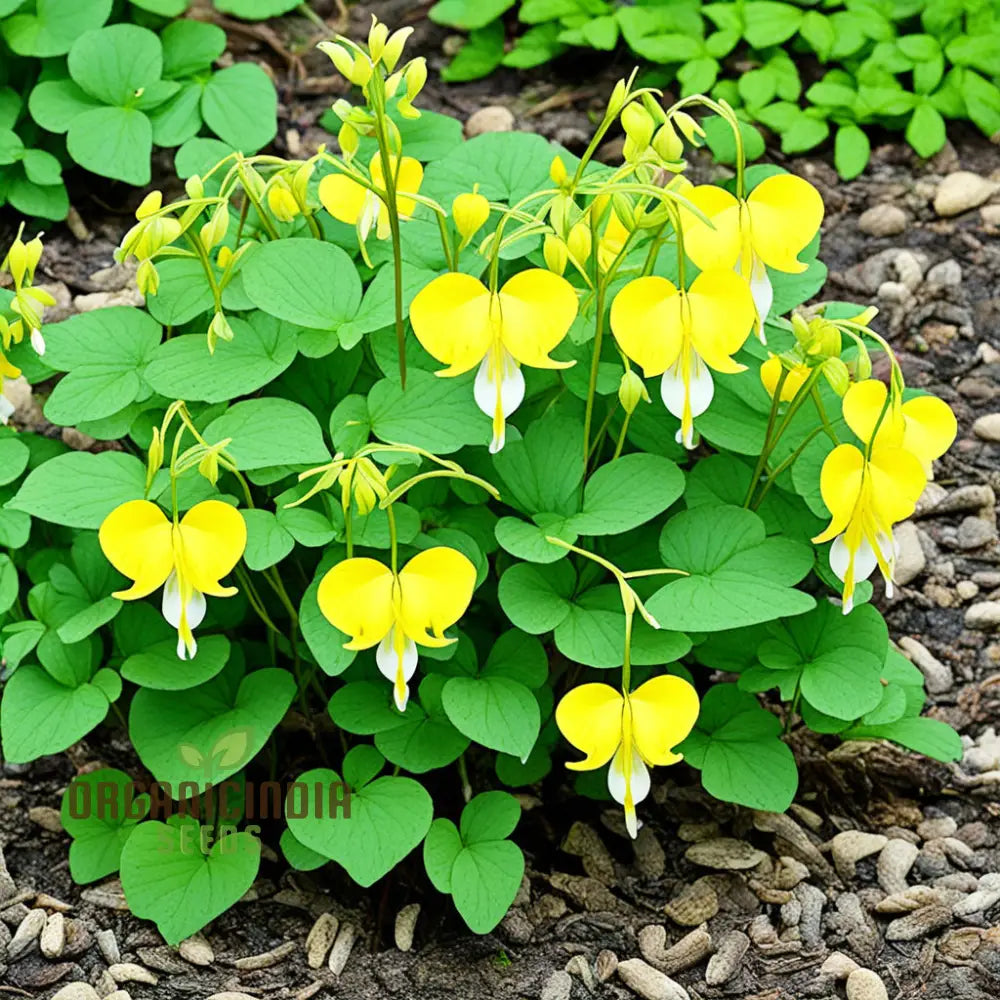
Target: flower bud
392, 84
394, 47
557, 172
281, 201
194, 187
837, 375
632, 391
638, 124
470, 212
154, 462
667, 143
300, 182
349, 140
37, 342
224, 256
617, 99
563, 213
865, 317
826, 340
214, 231
149, 205
555, 253
16, 261
33, 249
579, 243
218, 329
209, 466
377, 37
801, 330
863, 364
690, 129
339, 56
415, 75
147, 278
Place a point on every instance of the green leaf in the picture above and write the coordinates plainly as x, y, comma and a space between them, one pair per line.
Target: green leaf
167, 879
837, 657
931, 737
817, 30
325, 642
300, 857
851, 150
442, 845
925, 131
737, 747
305, 282
40, 716
184, 737
485, 879
105, 353
461, 14
54, 26
241, 107
159, 668
542, 472
479, 56
42, 168
112, 64
256, 10
388, 818
497, 712
270, 431
190, 46
536, 46
536, 598
982, 100
489, 816
98, 483
8, 583
44, 201
722, 142
113, 142
737, 576
769, 23
267, 541
528, 541
422, 739
803, 134
14, 455
183, 368
99, 811
978, 52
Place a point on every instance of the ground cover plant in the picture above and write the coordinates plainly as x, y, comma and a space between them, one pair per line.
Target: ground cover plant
907, 65
426, 454
76, 89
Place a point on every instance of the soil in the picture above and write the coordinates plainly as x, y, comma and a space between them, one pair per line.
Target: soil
589, 891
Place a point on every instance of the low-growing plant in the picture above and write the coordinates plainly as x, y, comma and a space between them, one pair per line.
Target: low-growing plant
407, 408
115, 91
906, 65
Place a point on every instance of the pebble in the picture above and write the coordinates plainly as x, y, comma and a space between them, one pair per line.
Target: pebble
909, 268
983, 615
972, 497
762, 931
579, 966
990, 214
882, 220
911, 560
695, 904
52, 940
495, 118
838, 965
129, 972
108, 944
341, 950
605, 965
320, 939
987, 427
919, 923
47, 818
584, 842
966, 589
27, 931
894, 863
960, 191
558, 986
266, 959
937, 826
914, 898
725, 963
119, 995
797, 843
196, 950
863, 984
104, 300
985, 897
649, 983
849, 847
974, 532
650, 858
725, 853
937, 675
406, 923
948, 272
812, 900
77, 991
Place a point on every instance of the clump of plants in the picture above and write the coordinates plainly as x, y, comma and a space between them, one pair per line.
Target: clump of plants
910, 66
416, 468
75, 89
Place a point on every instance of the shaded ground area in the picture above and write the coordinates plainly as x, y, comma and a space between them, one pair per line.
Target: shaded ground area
887, 860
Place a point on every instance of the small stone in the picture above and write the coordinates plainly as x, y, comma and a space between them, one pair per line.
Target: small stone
584, 842
52, 940
196, 950
789, 873
341, 950
914, 898
558, 986
948, 272
406, 923
976, 497
108, 944
104, 300
812, 900
894, 863
119, 995
882, 220
961, 943
648, 982
495, 118
990, 214
960, 191
911, 560
937, 826
966, 589
320, 939
695, 904
650, 858
687, 952
725, 853
910, 269
863, 984
987, 427
605, 965
77, 991
975, 532
838, 965
761, 931
937, 676
266, 959
984, 615
579, 966
851, 846
984, 898
77, 440
919, 923
129, 972
725, 963
27, 931
47, 818
895, 292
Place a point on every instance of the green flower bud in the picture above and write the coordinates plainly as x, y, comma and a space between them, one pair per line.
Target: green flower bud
632, 391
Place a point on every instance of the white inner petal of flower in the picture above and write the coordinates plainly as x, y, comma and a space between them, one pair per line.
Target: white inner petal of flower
395, 667
692, 395
171, 607
498, 393
369, 214
619, 783
762, 292
38, 342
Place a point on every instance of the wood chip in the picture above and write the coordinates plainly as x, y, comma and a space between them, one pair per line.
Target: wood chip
341, 950
130, 972
724, 853
266, 959
320, 940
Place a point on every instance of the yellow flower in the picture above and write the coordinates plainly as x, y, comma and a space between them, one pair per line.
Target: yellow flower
398, 611
461, 323
612, 240
681, 335
923, 425
187, 558
770, 372
352, 203
635, 732
7, 370
770, 228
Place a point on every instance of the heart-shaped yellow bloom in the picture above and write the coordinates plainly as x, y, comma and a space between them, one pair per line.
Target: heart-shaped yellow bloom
634, 732
923, 425
459, 322
682, 334
775, 223
398, 612
186, 558
770, 373
352, 203
866, 497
